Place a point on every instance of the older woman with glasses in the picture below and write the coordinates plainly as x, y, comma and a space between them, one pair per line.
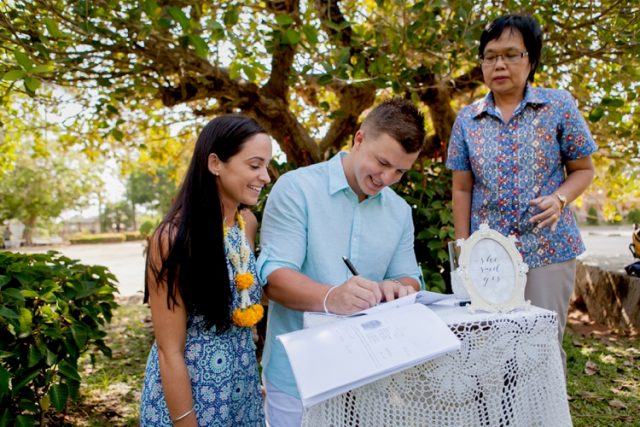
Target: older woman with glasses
519, 156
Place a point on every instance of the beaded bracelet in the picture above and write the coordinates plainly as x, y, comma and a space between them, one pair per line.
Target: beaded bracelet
183, 416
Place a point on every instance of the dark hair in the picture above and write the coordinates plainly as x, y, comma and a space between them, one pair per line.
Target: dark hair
531, 35
401, 120
194, 262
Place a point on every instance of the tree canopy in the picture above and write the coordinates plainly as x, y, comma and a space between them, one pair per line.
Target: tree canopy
307, 70
144, 71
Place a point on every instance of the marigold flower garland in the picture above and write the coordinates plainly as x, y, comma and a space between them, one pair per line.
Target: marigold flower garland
247, 314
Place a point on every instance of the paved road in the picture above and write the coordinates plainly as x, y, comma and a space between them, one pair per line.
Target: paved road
125, 260
606, 247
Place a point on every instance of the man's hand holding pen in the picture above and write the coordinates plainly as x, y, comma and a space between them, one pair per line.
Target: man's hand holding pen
356, 294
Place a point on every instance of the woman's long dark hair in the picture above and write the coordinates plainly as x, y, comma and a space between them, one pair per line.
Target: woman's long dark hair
194, 263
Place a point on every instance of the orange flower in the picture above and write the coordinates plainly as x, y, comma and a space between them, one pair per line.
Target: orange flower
244, 280
249, 316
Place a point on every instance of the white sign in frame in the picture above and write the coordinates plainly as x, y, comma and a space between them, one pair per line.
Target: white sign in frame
492, 271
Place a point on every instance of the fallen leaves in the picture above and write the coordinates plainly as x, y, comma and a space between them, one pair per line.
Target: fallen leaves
617, 404
590, 368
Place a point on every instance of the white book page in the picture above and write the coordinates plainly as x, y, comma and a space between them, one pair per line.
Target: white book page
330, 359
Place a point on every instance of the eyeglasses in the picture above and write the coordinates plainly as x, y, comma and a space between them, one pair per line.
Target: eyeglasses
509, 58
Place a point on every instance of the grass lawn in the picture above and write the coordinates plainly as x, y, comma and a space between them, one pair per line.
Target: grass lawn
603, 382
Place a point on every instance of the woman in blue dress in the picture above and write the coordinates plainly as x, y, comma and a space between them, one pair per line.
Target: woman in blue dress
202, 289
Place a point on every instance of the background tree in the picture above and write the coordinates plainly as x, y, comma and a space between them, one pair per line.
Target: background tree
305, 71
117, 217
42, 188
154, 190
39, 177
308, 70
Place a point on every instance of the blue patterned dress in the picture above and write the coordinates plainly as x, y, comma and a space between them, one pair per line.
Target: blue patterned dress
223, 369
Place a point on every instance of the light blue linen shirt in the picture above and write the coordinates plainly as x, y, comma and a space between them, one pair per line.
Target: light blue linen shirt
313, 218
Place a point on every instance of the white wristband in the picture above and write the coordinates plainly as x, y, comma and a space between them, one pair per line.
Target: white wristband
324, 303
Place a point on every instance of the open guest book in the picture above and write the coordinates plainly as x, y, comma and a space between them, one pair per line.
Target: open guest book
338, 354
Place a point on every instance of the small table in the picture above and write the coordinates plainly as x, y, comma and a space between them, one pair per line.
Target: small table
508, 372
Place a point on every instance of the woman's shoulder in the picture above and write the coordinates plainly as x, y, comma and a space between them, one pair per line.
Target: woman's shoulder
553, 95
251, 223
249, 217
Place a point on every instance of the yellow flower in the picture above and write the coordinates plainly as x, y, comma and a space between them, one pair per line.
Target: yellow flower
244, 280
249, 316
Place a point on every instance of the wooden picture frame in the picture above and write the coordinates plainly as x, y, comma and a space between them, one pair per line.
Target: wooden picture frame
492, 271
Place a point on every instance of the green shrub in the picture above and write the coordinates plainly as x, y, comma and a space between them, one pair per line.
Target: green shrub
131, 236
633, 217
428, 192
592, 216
52, 310
97, 238
146, 228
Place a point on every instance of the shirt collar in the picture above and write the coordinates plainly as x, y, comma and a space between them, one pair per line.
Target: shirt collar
532, 96
338, 179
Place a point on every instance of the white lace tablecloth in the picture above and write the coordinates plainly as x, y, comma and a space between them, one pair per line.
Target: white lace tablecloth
508, 372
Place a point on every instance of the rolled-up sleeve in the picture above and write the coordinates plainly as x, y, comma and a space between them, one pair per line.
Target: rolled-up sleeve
283, 235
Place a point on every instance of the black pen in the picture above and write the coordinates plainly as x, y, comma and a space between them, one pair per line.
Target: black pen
350, 266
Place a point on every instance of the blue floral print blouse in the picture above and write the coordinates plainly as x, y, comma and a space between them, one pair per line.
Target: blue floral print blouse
515, 162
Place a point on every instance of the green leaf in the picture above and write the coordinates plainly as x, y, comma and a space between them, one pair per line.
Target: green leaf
231, 16
217, 31
234, 71
59, 394
344, 55
13, 75
325, 79
178, 15
33, 356
68, 370
613, 102
5, 378
8, 313
74, 389
201, 48
52, 28
14, 293
29, 293
80, 336
24, 381
291, 37
4, 418
26, 321
284, 20
152, 9
250, 72
25, 421
23, 60
42, 68
310, 33
117, 134
31, 84
596, 114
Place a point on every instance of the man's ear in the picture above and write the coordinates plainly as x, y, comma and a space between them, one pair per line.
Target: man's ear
358, 139
214, 164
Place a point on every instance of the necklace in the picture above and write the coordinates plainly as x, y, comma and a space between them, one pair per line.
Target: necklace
247, 314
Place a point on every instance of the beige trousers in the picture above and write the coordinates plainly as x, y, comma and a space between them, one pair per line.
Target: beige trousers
550, 287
